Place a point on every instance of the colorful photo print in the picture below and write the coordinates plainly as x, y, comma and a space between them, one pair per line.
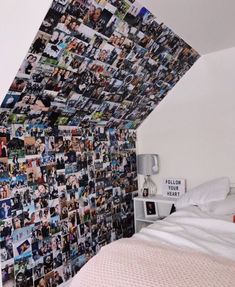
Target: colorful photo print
7, 269
28, 65
22, 247
39, 43
50, 21
23, 269
10, 100
18, 85
22, 233
5, 209
6, 249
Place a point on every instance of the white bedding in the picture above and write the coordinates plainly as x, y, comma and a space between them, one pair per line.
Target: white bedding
192, 228
166, 254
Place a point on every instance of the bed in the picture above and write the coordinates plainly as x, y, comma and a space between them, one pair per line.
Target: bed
191, 247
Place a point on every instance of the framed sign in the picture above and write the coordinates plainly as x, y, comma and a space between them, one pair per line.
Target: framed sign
150, 209
173, 187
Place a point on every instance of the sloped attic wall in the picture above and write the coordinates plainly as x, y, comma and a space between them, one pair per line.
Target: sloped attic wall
119, 65
93, 73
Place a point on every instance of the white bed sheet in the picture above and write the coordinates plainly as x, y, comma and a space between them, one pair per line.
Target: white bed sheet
195, 229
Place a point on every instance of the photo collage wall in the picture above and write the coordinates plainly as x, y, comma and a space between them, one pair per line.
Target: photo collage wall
63, 196
95, 70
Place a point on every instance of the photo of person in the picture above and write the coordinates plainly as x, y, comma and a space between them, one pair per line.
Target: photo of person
35, 176
25, 218
18, 131
5, 229
65, 59
38, 270
40, 146
67, 270
75, 64
56, 82
48, 263
60, 5
77, 46
55, 225
117, 39
28, 65
122, 8
72, 182
39, 43
92, 16
5, 208
97, 41
151, 209
8, 273
67, 24
104, 53
41, 72
18, 85
49, 279
29, 144
22, 247
10, 100
84, 33
23, 270
41, 282
3, 147
56, 45
6, 251
50, 21
58, 276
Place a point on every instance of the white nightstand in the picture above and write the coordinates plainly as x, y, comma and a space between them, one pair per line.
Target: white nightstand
162, 204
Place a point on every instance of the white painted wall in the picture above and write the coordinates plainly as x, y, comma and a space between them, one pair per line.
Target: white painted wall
193, 129
207, 25
19, 23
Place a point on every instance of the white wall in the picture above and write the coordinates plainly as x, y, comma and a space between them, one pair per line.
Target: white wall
207, 25
19, 23
193, 129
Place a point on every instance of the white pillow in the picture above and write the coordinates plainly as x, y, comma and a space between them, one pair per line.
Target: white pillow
214, 190
224, 207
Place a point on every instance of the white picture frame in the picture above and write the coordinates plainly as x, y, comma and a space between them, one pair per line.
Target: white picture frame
150, 209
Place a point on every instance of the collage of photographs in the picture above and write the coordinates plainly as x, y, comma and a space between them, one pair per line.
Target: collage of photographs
105, 62
94, 71
62, 197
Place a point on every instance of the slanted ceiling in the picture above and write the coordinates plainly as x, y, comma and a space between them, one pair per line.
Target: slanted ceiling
101, 62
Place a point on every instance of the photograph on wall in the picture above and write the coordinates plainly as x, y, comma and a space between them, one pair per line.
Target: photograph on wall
7, 269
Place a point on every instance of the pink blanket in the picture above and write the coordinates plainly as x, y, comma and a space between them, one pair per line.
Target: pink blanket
135, 263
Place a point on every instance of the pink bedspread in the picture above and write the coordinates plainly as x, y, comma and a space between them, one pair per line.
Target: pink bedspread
134, 263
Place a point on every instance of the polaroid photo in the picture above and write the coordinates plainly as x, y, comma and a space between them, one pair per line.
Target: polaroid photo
150, 209
22, 247
7, 268
28, 65
6, 250
5, 229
